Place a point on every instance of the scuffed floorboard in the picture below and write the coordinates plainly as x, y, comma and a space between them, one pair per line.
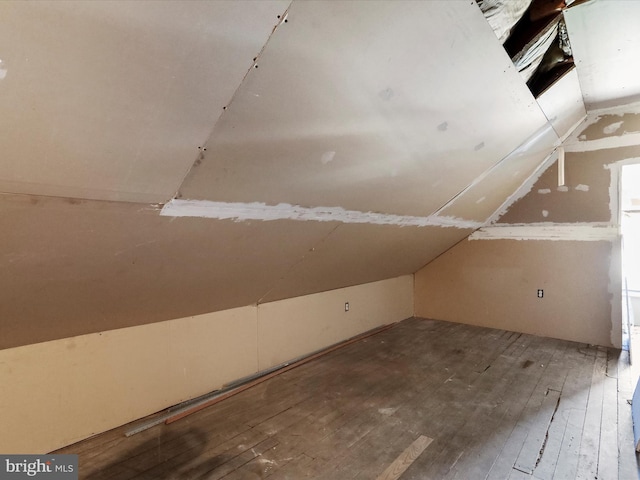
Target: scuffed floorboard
497, 405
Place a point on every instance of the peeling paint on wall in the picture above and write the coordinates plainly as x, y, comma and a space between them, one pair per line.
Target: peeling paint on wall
260, 211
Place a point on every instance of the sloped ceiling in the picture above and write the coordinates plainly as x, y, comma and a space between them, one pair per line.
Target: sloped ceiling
605, 36
167, 159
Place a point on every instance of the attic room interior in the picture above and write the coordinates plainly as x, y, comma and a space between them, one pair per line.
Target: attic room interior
320, 239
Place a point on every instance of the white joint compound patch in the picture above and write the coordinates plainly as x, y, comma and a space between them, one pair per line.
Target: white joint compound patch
259, 211
612, 128
590, 232
544, 191
327, 157
545, 213
563, 188
583, 188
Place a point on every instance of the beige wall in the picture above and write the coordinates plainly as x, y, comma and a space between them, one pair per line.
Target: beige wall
58, 392
494, 283
293, 327
563, 239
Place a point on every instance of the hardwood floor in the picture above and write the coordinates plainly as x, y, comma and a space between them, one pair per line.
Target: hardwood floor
423, 400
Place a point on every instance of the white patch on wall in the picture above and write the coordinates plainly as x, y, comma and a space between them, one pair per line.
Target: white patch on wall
544, 191
612, 128
259, 211
563, 188
327, 157
545, 213
549, 231
583, 188
481, 199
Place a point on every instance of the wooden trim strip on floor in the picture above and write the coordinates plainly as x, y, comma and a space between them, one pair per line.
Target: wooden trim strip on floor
200, 406
406, 458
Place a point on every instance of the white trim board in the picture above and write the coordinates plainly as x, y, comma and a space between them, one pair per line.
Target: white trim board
591, 232
259, 211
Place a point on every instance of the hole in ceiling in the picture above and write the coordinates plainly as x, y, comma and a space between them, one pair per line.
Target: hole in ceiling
534, 34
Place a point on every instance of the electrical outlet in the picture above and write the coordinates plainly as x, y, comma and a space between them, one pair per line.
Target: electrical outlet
346, 306
540, 293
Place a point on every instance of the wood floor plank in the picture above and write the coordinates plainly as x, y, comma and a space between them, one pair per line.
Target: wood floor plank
404, 461
608, 454
491, 429
590, 444
550, 456
465, 425
526, 405
486, 397
573, 408
471, 401
627, 460
295, 469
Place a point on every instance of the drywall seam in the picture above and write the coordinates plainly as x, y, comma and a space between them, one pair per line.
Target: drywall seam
522, 148
549, 231
284, 211
524, 189
573, 128
281, 19
295, 264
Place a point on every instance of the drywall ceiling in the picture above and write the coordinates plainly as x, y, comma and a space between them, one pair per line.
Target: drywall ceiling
111, 100
605, 36
347, 108
310, 146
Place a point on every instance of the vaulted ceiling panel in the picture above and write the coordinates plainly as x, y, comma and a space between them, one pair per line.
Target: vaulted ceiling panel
71, 267
605, 39
353, 254
490, 191
111, 100
563, 105
368, 106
